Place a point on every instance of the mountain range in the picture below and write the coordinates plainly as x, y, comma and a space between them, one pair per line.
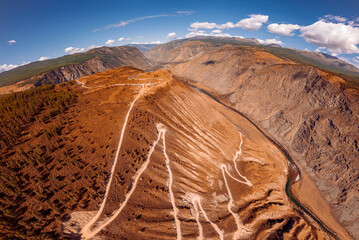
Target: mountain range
200, 138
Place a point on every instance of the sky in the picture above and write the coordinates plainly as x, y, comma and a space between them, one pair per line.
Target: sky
38, 30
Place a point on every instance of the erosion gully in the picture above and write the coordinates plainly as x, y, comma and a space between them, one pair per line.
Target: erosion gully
294, 171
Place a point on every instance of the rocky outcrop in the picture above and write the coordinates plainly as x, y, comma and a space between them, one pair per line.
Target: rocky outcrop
106, 58
306, 110
71, 72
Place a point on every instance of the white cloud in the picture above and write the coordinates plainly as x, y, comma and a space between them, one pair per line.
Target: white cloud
217, 31
110, 42
355, 61
214, 33
171, 36
73, 50
153, 42
320, 49
270, 41
126, 22
354, 22
7, 67
43, 58
11, 42
337, 38
283, 29
196, 33
204, 25
254, 22
24, 63
123, 39
186, 12
227, 25
92, 47
334, 18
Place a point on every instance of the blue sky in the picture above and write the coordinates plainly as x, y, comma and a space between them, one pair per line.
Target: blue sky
33, 30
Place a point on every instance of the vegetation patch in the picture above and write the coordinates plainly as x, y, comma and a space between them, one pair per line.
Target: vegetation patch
39, 67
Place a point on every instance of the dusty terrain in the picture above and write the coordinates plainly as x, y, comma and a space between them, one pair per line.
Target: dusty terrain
145, 155
18, 87
179, 174
313, 114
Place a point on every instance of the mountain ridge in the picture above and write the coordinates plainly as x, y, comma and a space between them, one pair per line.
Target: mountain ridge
312, 113
100, 59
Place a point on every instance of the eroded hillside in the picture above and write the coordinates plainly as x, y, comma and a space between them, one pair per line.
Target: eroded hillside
312, 113
135, 155
179, 174
71, 67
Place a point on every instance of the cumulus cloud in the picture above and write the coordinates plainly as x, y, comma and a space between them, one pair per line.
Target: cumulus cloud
110, 42
11, 42
172, 36
43, 58
214, 33
354, 22
7, 67
204, 25
337, 38
73, 50
270, 41
254, 22
195, 33
123, 39
217, 31
155, 42
283, 29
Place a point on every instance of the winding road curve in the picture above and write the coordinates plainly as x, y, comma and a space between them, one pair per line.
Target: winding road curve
85, 231
195, 199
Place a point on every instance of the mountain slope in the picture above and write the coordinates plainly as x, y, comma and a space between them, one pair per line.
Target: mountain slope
134, 155
74, 66
142, 47
168, 53
313, 114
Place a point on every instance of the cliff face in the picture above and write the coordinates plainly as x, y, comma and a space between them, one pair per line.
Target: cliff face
303, 108
107, 58
71, 72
